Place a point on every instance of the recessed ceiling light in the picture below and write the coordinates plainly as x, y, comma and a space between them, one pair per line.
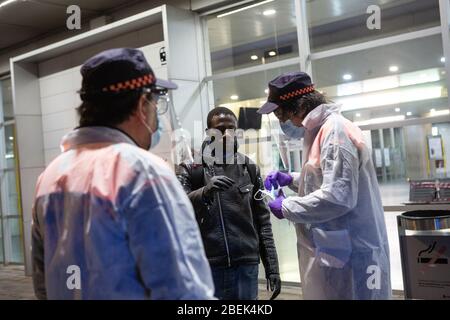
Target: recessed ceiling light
432, 110
254, 57
266, 91
409, 113
5, 3
244, 8
393, 68
358, 115
397, 109
234, 97
347, 76
269, 12
11, 138
272, 53
443, 59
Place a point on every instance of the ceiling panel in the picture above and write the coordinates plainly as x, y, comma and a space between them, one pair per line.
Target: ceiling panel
33, 15
409, 56
99, 5
26, 19
10, 34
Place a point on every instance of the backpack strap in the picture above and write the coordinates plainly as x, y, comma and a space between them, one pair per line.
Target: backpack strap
251, 168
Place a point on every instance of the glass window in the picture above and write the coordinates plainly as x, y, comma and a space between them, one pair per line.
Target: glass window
8, 113
12, 197
336, 23
9, 146
391, 84
16, 240
11, 236
2, 258
410, 154
395, 82
250, 91
252, 35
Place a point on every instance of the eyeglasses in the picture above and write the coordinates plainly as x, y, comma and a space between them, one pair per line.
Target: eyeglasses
160, 97
285, 112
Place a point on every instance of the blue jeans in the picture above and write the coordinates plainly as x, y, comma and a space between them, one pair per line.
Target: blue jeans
236, 283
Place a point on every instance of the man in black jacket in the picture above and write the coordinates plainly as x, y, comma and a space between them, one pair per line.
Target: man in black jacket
235, 228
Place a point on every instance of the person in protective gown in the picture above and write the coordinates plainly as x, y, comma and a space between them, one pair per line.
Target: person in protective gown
110, 219
339, 219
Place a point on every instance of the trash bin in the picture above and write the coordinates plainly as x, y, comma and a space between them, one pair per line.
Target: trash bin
425, 254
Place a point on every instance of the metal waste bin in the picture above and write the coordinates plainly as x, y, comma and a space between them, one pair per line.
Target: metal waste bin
425, 254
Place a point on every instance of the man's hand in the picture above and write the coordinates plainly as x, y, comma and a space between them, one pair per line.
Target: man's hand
277, 179
274, 281
217, 183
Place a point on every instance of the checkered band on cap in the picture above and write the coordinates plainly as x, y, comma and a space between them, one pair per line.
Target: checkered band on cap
130, 84
296, 93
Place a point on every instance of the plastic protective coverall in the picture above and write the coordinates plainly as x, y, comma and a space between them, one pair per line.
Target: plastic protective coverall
111, 221
341, 233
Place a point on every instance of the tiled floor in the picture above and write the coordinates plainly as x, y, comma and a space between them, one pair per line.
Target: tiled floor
14, 285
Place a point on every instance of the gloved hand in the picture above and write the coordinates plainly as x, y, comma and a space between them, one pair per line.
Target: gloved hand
277, 179
274, 281
276, 205
217, 183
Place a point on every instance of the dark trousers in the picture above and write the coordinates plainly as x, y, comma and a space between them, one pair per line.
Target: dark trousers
236, 283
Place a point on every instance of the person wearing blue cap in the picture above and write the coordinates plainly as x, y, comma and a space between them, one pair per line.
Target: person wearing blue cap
342, 240
110, 219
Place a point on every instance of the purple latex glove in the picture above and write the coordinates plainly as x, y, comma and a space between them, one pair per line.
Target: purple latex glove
276, 205
277, 179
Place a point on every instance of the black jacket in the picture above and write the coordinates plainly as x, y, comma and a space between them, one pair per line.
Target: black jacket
235, 228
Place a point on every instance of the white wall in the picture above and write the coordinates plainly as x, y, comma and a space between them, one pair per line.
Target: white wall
59, 100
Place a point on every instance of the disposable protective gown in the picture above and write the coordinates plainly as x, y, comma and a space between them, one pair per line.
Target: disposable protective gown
342, 242
111, 221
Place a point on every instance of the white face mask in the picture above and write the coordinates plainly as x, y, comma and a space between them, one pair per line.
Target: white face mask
272, 194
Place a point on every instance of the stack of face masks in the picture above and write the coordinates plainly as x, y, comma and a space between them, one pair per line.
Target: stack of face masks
272, 194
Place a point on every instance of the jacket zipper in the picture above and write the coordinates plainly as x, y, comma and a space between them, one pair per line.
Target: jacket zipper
223, 225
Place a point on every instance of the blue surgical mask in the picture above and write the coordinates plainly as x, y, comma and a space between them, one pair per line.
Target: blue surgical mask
292, 131
156, 136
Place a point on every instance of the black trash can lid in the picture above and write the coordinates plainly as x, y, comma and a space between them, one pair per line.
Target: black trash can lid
424, 220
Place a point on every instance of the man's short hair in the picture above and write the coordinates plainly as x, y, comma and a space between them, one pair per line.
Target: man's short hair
218, 111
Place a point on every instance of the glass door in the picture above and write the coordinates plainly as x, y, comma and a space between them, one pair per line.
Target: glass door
11, 244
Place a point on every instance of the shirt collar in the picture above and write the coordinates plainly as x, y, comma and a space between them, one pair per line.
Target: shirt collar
87, 135
319, 115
